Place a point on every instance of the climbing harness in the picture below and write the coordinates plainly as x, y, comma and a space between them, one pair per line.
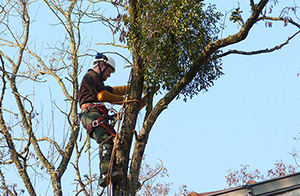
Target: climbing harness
104, 120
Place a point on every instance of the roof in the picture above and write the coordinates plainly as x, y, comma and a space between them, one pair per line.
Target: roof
286, 185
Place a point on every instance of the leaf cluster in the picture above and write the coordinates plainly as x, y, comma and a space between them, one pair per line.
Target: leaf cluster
172, 34
236, 16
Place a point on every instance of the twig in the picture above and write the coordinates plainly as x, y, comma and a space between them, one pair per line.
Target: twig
149, 178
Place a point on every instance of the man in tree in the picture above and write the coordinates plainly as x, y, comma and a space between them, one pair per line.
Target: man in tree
92, 97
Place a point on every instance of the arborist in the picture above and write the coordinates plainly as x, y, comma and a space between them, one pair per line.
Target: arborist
92, 97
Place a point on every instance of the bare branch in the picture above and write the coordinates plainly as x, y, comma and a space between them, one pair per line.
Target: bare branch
61, 152
112, 44
152, 176
286, 20
76, 167
3, 80
4, 186
49, 71
267, 50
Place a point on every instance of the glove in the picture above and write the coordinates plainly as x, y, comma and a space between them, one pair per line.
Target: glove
120, 90
105, 96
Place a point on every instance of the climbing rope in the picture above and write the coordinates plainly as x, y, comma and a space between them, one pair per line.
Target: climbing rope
90, 168
119, 118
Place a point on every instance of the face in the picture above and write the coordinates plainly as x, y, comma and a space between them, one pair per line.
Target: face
106, 74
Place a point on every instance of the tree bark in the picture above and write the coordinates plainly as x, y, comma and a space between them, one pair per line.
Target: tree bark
125, 137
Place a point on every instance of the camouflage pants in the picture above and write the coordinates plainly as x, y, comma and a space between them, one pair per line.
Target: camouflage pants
102, 137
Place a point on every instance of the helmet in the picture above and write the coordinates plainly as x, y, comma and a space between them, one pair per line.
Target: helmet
106, 59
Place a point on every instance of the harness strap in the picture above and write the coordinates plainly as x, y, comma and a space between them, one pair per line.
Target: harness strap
105, 125
101, 121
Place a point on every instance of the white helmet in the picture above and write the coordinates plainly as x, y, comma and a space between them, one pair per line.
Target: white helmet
106, 59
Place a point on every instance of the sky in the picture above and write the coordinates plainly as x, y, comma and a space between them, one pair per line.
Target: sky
249, 117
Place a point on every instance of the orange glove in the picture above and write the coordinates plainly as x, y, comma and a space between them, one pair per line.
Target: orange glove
120, 90
106, 96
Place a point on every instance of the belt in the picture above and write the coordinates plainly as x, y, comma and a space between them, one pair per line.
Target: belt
91, 105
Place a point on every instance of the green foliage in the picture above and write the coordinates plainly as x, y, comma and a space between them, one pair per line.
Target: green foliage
236, 16
171, 36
